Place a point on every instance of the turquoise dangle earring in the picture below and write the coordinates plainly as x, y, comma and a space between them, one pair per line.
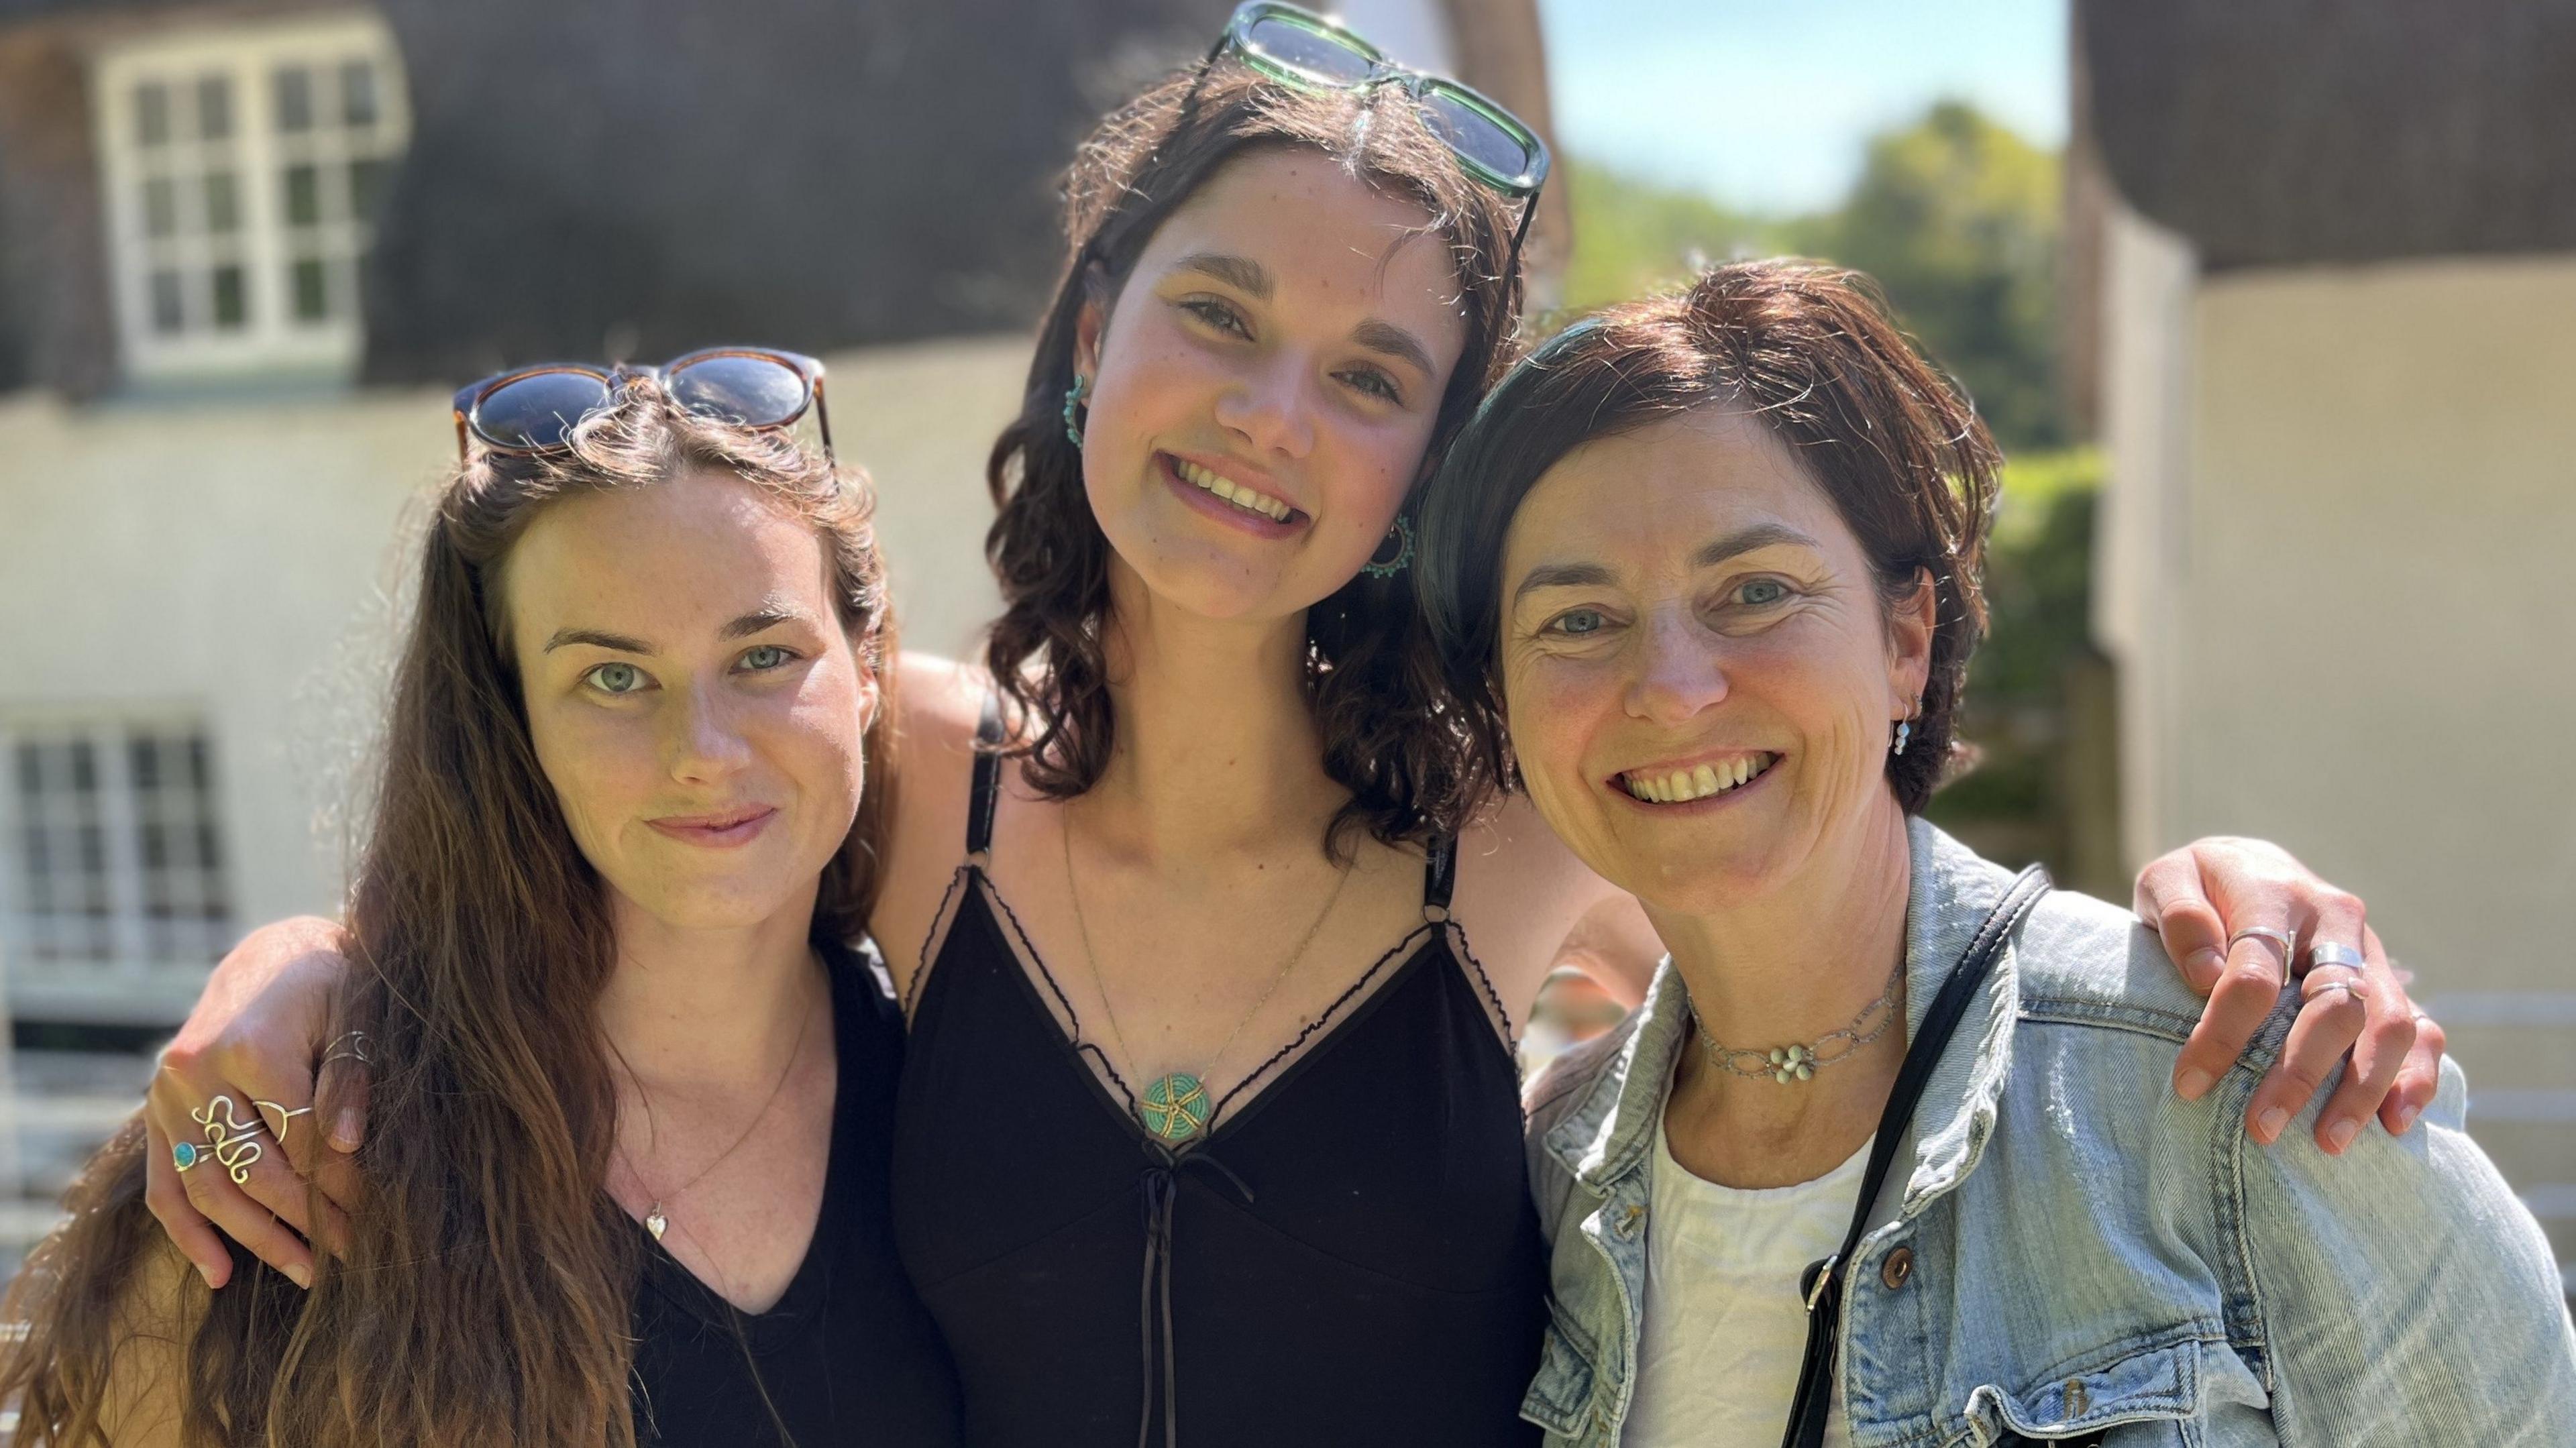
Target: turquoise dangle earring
1073, 399
1402, 532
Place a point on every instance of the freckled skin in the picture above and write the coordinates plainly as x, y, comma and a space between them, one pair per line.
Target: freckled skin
716, 723
1282, 388
1784, 649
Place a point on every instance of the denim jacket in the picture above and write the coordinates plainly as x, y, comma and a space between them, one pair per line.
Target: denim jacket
2076, 1249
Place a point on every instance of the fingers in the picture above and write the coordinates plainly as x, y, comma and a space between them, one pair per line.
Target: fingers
2248, 987
2170, 899
342, 1089
179, 1218
2387, 1034
2421, 1074
215, 1198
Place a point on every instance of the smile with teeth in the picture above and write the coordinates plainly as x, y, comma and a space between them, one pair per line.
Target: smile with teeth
1231, 491
1681, 786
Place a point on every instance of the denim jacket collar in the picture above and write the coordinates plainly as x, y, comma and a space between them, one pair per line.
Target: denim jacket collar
1951, 889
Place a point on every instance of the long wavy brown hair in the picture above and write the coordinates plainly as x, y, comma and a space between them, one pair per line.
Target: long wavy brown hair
485, 1295
1391, 731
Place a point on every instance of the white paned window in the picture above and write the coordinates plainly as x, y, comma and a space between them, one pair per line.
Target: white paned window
243, 167
112, 860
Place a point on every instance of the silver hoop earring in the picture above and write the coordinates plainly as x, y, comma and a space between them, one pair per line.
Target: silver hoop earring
1402, 532
1073, 399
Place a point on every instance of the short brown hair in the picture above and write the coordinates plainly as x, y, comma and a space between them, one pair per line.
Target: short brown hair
1390, 735
1810, 349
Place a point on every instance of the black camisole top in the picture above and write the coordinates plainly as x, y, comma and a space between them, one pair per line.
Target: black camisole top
847, 1358
1351, 1258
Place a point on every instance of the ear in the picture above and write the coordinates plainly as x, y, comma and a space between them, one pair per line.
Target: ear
1089, 325
1911, 622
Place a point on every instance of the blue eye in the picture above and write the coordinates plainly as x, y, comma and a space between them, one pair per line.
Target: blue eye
615, 678
766, 656
1577, 622
1762, 592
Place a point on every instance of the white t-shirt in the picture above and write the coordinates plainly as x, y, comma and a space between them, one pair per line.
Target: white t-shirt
1725, 1331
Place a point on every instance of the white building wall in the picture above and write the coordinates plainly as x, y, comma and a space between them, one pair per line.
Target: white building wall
2336, 570
229, 559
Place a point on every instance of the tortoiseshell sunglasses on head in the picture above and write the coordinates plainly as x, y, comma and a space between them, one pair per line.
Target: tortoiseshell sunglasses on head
529, 410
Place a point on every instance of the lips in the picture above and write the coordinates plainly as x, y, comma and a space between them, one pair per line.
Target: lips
1254, 507
722, 829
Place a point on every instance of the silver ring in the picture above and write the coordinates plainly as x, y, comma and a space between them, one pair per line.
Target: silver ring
2289, 943
354, 1050
276, 1115
2315, 987
2327, 952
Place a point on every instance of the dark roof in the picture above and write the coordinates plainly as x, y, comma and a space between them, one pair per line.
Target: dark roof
2281, 132
635, 177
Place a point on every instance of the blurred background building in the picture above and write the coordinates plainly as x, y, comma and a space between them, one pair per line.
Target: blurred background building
2274, 319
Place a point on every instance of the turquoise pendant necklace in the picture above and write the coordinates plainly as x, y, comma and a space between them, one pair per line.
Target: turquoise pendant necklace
1175, 1108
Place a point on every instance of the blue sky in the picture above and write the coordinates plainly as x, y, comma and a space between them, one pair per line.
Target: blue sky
1765, 106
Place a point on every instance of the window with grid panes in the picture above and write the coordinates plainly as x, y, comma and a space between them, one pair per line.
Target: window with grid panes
112, 852
244, 166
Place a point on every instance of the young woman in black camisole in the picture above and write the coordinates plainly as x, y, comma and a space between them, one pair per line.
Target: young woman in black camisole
1209, 1129
633, 1087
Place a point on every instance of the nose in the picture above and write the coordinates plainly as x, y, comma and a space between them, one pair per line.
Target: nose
1268, 408
1678, 670
704, 744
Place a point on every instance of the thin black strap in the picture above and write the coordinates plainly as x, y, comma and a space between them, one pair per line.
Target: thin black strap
1439, 876
988, 778
1822, 1283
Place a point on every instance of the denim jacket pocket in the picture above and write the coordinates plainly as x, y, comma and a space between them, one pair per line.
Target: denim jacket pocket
1560, 1397
2128, 1399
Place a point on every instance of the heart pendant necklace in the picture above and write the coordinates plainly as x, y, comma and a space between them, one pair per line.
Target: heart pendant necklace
658, 1220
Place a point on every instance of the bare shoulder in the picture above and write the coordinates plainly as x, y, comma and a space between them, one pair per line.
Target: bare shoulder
940, 702
1520, 893
157, 1312
1511, 864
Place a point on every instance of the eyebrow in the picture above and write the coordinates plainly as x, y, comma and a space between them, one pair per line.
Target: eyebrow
1742, 540
1394, 341
1239, 272
765, 617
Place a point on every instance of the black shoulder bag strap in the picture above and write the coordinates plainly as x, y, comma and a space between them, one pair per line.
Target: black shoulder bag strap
1822, 1283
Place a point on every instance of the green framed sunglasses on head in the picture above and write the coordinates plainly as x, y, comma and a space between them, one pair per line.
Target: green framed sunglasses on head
1295, 46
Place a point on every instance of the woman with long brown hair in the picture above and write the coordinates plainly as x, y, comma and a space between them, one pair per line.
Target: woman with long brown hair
1210, 1113
633, 1081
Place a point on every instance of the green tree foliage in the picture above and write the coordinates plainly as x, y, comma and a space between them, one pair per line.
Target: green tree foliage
1633, 236
1957, 217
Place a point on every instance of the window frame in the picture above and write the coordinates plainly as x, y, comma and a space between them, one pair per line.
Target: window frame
134, 982
249, 54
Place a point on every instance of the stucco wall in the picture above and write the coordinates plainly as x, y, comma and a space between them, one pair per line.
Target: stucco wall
2337, 576
2380, 611
228, 558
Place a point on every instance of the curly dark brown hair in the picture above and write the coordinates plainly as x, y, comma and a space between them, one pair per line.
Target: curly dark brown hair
1810, 349
1392, 736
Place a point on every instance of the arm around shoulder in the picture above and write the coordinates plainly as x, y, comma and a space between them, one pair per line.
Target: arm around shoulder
2405, 1292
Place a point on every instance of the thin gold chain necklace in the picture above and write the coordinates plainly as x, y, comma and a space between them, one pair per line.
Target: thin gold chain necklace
657, 1221
1176, 1107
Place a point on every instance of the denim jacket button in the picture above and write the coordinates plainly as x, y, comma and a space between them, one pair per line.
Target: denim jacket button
1629, 1219
1898, 1267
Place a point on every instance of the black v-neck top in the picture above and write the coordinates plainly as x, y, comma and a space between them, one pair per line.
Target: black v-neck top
1351, 1258
847, 1358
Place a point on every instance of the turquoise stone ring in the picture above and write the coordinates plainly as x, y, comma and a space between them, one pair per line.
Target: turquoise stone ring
185, 1155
